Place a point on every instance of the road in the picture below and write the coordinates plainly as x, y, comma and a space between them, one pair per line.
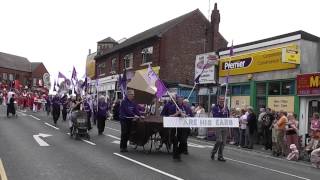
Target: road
63, 158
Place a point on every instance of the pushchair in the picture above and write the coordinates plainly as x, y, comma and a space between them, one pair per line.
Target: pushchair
79, 127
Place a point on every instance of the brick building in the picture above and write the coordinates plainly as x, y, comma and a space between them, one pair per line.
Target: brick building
172, 46
19, 68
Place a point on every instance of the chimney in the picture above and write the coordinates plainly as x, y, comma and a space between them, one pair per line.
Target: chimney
89, 51
215, 21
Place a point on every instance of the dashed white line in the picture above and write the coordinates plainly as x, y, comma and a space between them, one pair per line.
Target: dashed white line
113, 129
35, 117
147, 166
115, 137
269, 169
51, 126
89, 142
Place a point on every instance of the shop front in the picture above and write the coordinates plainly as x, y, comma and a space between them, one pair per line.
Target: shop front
308, 88
261, 78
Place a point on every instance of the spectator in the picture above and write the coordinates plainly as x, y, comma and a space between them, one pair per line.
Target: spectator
281, 128
252, 126
243, 126
260, 135
314, 132
292, 130
267, 121
315, 158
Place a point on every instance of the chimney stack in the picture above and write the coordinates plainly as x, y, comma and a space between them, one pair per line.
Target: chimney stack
215, 21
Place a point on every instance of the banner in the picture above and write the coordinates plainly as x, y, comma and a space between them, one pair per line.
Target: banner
172, 122
205, 67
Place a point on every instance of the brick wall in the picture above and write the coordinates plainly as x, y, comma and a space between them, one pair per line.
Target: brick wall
180, 45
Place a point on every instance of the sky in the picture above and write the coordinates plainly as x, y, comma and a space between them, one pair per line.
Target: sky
60, 33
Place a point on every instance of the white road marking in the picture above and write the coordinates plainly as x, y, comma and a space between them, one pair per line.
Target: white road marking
40, 141
113, 129
198, 145
147, 166
23, 114
269, 169
51, 126
35, 117
3, 175
116, 142
89, 142
115, 137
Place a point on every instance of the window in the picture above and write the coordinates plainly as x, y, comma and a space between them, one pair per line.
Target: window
113, 64
287, 88
11, 77
274, 88
34, 82
100, 69
147, 55
236, 90
128, 61
245, 90
5, 77
261, 89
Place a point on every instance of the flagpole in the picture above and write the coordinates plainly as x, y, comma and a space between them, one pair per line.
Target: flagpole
194, 86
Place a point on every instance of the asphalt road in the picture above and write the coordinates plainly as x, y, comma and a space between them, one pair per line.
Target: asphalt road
65, 158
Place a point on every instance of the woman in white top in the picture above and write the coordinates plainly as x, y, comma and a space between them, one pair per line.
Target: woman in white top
243, 126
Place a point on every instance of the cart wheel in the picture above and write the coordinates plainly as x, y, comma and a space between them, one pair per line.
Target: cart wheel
148, 146
157, 141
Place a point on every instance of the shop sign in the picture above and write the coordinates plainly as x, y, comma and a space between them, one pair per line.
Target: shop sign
261, 61
205, 66
240, 101
308, 84
291, 54
281, 103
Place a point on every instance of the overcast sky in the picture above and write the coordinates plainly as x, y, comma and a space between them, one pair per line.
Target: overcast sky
60, 32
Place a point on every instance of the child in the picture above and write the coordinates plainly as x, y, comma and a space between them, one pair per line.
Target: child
315, 158
294, 154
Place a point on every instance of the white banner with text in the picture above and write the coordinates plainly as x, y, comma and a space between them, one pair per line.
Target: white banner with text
200, 122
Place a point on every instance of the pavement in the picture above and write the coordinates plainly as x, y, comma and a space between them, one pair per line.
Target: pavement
31, 148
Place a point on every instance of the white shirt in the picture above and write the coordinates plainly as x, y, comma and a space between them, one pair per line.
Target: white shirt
243, 120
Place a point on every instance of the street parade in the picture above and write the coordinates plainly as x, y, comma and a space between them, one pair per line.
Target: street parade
176, 101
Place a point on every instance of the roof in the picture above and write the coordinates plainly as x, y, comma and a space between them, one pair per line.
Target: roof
10, 61
304, 35
107, 40
156, 31
34, 65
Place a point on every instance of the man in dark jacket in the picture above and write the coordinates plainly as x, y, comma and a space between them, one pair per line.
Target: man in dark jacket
267, 121
65, 103
220, 111
102, 114
56, 108
128, 111
252, 125
88, 110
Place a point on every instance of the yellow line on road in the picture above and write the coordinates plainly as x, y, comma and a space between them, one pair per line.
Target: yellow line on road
3, 175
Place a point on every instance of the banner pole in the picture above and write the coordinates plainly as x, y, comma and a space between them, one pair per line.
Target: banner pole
194, 86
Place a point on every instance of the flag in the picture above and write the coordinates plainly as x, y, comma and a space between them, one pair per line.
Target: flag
152, 77
58, 85
60, 75
84, 85
123, 83
196, 80
161, 89
74, 76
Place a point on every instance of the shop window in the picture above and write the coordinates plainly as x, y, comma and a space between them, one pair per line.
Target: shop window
274, 88
113, 64
11, 77
287, 88
261, 89
245, 90
236, 90
4, 75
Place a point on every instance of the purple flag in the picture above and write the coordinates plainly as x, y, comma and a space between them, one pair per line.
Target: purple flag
60, 75
161, 89
74, 76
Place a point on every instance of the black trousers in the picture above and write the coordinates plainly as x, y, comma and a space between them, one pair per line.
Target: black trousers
64, 114
179, 138
101, 124
268, 138
89, 120
125, 132
10, 109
